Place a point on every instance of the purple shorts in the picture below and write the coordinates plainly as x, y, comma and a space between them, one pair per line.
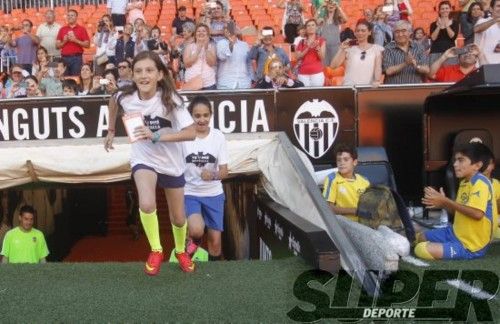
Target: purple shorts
163, 181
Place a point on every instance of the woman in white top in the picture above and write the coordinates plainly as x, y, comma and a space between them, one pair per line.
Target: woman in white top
157, 157
206, 165
200, 58
362, 59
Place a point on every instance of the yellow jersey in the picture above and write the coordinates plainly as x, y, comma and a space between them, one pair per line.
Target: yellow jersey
477, 193
496, 194
344, 192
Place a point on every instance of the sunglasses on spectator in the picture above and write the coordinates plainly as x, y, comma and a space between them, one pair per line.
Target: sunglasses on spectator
122, 66
363, 55
16, 72
26, 25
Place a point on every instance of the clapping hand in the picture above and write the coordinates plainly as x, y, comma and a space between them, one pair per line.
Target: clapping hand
433, 198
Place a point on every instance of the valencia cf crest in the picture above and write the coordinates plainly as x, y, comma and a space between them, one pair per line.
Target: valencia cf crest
316, 125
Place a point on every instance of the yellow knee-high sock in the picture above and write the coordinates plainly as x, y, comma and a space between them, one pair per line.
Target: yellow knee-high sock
180, 237
422, 252
151, 228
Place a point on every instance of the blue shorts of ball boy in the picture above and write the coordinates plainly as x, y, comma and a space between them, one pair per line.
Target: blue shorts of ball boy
210, 208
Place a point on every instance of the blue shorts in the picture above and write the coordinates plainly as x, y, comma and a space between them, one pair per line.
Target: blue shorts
163, 181
452, 247
210, 208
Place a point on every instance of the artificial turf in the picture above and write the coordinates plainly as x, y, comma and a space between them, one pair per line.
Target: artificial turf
232, 291
244, 291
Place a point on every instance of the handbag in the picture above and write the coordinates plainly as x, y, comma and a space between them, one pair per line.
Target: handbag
195, 83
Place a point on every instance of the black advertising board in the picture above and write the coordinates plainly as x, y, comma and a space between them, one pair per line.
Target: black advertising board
87, 117
316, 120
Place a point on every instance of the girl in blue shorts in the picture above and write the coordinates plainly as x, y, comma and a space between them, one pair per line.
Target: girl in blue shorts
206, 165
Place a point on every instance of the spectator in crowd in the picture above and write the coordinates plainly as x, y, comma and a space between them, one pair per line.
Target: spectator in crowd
362, 59
466, 27
125, 46
40, 64
467, 59
155, 43
124, 74
265, 50
7, 52
486, 4
200, 58
421, 38
85, 79
105, 43
234, 69
490, 34
70, 87
404, 8
382, 32
474, 13
51, 83
444, 31
292, 18
330, 29
47, 33
276, 77
301, 31
404, 60
32, 88
137, 26
26, 46
368, 15
213, 16
72, 39
391, 8
180, 19
343, 188
310, 53
24, 244
142, 35
107, 85
117, 9
16, 86
134, 9
178, 48
203, 193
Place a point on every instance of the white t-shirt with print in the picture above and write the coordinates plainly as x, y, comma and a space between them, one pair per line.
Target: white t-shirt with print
489, 40
164, 157
204, 153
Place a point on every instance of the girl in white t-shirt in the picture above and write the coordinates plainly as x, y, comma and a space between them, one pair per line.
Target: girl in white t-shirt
206, 165
157, 157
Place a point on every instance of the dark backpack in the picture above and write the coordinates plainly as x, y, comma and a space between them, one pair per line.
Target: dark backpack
377, 206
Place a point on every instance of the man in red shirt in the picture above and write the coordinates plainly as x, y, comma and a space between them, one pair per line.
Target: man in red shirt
71, 39
467, 59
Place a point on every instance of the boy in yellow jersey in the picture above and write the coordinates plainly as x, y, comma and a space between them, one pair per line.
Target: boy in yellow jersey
496, 191
472, 229
343, 188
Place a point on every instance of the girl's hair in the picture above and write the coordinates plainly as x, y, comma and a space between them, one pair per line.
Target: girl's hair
369, 26
31, 77
80, 80
470, 19
166, 84
442, 3
309, 20
42, 49
416, 30
199, 100
201, 26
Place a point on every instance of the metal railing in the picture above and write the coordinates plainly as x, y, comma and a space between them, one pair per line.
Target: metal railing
8, 5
